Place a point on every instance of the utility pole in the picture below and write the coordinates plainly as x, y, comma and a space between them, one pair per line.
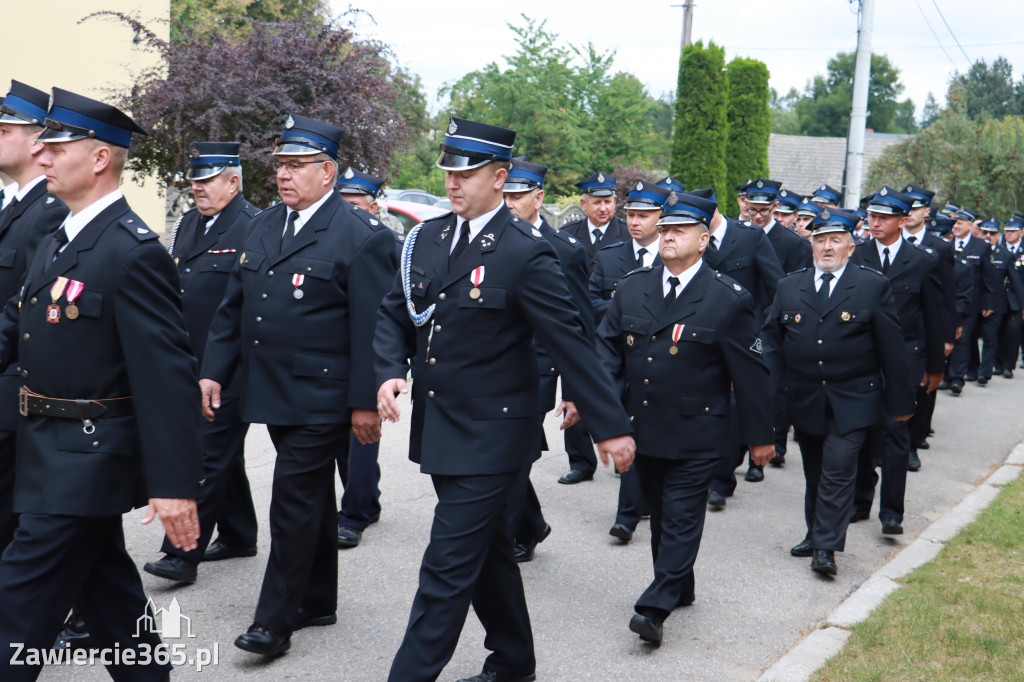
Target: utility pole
687, 23
859, 109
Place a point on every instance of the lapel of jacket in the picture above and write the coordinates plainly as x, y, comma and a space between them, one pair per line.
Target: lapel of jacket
901, 263
317, 223
484, 242
842, 289
15, 210
807, 292
443, 246
84, 241
685, 304
224, 222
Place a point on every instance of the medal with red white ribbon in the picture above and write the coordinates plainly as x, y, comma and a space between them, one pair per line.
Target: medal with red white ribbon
74, 290
477, 278
677, 331
297, 281
56, 291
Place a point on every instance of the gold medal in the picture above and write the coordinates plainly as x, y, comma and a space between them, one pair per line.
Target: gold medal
71, 311
674, 350
629, 340
845, 317
474, 293
796, 318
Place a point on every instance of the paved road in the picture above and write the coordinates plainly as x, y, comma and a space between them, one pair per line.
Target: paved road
754, 601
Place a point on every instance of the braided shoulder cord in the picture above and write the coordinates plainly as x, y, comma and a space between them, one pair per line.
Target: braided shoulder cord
418, 319
174, 234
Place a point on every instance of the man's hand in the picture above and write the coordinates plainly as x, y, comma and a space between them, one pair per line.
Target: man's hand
622, 449
571, 414
986, 313
932, 381
762, 453
387, 406
904, 417
947, 348
211, 397
959, 331
366, 425
180, 519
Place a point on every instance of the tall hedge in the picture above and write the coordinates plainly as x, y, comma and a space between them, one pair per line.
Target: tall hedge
746, 150
701, 126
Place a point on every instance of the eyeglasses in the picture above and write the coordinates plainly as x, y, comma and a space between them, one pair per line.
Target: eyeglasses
760, 211
292, 166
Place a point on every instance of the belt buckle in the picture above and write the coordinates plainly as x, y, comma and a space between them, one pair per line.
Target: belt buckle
23, 402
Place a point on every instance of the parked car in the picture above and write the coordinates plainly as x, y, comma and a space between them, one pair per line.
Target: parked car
415, 196
412, 214
445, 203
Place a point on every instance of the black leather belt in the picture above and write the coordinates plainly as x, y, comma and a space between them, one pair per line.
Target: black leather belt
33, 403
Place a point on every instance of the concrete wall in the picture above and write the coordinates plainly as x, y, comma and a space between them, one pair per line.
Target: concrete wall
47, 45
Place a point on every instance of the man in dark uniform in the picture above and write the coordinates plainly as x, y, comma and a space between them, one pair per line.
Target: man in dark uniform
915, 233
914, 275
805, 215
600, 228
643, 209
794, 253
31, 214
977, 253
833, 340
298, 316
1010, 333
827, 196
678, 337
742, 252
100, 342
360, 501
785, 211
1005, 280
205, 243
477, 286
671, 183
524, 195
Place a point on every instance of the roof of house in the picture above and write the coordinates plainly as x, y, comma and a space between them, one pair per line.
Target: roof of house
802, 163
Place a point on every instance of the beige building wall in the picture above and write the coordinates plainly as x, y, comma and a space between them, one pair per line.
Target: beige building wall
48, 45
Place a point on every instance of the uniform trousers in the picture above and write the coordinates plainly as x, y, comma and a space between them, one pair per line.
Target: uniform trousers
524, 522
236, 525
676, 491
56, 562
918, 425
1009, 340
302, 570
888, 448
223, 442
580, 448
958, 361
8, 519
989, 343
360, 477
630, 507
830, 473
468, 560
730, 455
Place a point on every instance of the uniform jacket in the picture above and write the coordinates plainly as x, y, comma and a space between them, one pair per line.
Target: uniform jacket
943, 253
305, 357
573, 261
914, 277
615, 232
850, 354
129, 340
679, 402
1006, 280
978, 254
963, 275
1015, 299
205, 264
792, 250
747, 257
23, 226
610, 265
474, 397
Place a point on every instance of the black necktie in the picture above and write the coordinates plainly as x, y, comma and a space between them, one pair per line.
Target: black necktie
912, 240
289, 229
203, 220
61, 237
885, 260
597, 235
640, 257
960, 246
712, 249
460, 244
670, 297
825, 288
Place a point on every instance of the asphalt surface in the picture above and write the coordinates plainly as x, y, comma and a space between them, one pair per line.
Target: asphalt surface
754, 601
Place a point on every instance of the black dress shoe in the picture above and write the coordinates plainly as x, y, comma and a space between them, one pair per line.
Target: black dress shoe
971, 377
348, 537
621, 532
218, 551
375, 518
648, 627
74, 634
956, 387
803, 550
923, 445
914, 463
860, 515
575, 476
686, 599
931, 432
491, 676
755, 474
824, 561
523, 551
172, 568
259, 640
777, 460
890, 527
983, 381
1007, 373
305, 621
716, 500
943, 385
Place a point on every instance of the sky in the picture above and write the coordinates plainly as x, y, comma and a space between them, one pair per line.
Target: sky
445, 39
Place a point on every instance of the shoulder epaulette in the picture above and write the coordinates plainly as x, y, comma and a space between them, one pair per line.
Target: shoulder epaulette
646, 268
611, 246
136, 227
732, 285
526, 228
367, 217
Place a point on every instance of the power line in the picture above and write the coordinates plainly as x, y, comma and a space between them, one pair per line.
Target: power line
832, 48
969, 62
934, 35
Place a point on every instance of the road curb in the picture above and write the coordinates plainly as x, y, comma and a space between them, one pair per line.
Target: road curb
806, 658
